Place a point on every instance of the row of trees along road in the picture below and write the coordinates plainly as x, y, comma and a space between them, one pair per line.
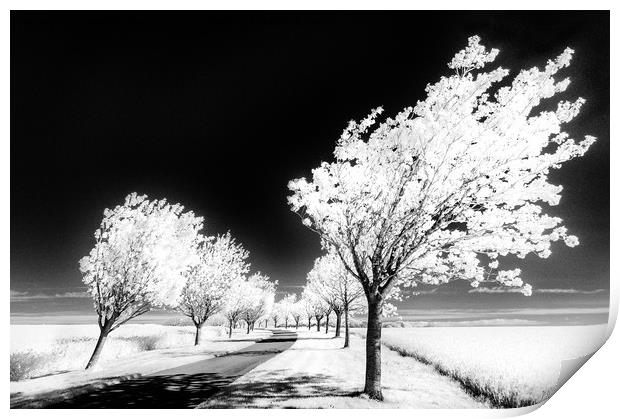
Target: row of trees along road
316, 304
331, 288
149, 253
446, 188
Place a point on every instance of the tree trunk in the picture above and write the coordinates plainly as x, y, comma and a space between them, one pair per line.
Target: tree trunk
230, 328
275, 323
346, 327
297, 324
338, 323
309, 322
372, 385
248, 332
198, 334
327, 323
318, 323
103, 335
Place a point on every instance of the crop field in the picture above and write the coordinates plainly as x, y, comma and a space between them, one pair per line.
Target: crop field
38, 350
510, 366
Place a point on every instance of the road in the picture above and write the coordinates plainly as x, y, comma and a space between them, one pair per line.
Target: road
186, 386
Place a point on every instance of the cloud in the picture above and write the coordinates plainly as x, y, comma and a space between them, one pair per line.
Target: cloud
73, 294
479, 322
495, 290
25, 296
479, 313
425, 292
500, 290
567, 291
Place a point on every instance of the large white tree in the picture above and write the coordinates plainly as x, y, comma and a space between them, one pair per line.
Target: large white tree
221, 260
446, 187
330, 280
142, 250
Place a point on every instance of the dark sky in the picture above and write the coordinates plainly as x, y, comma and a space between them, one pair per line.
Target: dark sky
219, 110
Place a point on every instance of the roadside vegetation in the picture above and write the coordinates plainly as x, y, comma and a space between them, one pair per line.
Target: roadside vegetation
508, 366
49, 349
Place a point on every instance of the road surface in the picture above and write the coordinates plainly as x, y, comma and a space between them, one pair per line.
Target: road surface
186, 386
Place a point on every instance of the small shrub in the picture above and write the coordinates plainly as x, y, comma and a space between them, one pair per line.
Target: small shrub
148, 343
25, 364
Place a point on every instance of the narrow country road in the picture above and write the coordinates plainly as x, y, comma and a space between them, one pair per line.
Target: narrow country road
186, 386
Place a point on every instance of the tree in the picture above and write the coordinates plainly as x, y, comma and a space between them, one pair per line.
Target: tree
221, 260
315, 305
275, 316
443, 189
261, 299
308, 308
337, 287
286, 305
142, 250
320, 280
297, 312
239, 299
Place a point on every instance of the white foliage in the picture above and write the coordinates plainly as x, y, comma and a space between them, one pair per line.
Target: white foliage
221, 260
286, 307
239, 298
330, 280
143, 249
314, 304
435, 193
260, 295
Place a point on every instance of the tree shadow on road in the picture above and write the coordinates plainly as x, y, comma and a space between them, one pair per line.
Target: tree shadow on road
273, 389
154, 392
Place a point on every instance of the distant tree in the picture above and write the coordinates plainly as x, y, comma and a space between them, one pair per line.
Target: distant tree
239, 298
315, 305
330, 280
308, 309
221, 260
142, 250
298, 312
444, 188
275, 315
261, 300
286, 305
320, 281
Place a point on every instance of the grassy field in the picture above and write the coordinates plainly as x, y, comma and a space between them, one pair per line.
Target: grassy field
38, 350
510, 366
